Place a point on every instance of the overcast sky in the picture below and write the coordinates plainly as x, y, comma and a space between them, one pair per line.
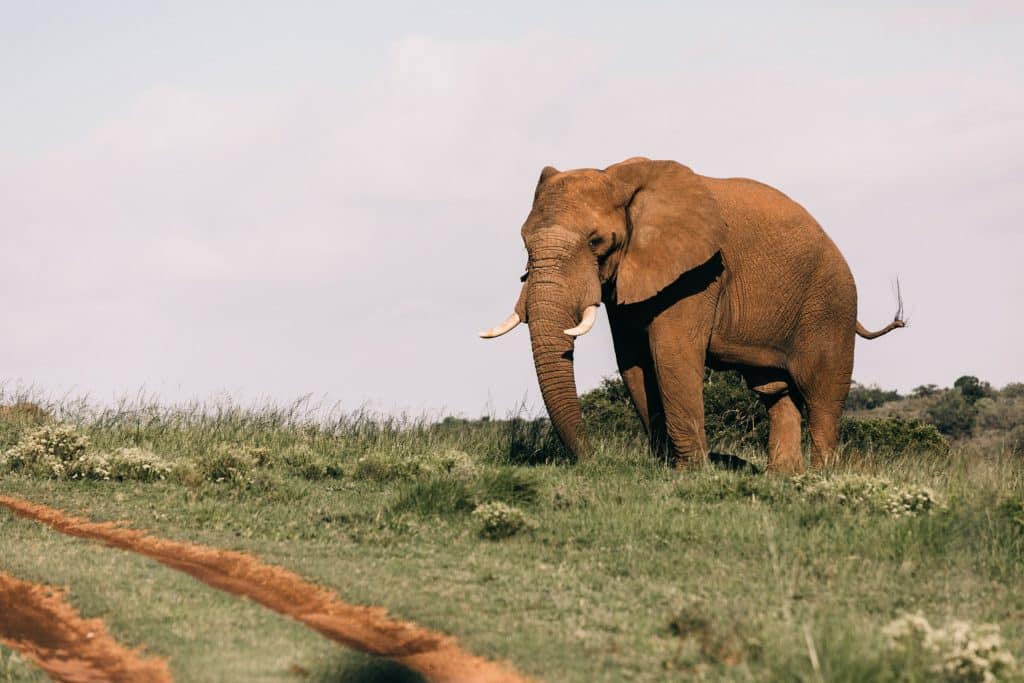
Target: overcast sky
277, 199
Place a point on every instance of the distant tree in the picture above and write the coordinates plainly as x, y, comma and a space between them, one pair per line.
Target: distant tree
973, 388
925, 390
868, 397
952, 414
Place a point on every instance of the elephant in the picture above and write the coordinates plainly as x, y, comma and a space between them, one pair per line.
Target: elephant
694, 272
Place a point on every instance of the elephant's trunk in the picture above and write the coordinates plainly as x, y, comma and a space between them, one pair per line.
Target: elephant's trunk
550, 314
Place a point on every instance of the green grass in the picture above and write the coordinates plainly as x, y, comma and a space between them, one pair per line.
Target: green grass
632, 572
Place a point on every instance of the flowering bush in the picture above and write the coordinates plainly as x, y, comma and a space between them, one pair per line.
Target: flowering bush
47, 450
907, 501
874, 494
136, 464
958, 651
498, 520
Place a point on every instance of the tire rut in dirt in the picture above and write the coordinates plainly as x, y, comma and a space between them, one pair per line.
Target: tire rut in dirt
436, 656
37, 621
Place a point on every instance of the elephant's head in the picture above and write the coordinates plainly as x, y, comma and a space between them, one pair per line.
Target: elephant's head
630, 231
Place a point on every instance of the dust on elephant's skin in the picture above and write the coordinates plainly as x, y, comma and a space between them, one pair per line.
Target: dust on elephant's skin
694, 272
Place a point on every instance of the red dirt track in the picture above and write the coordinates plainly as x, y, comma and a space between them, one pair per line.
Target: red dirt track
38, 622
436, 656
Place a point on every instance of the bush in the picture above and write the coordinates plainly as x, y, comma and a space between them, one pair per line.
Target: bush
509, 485
733, 414
385, 467
436, 495
868, 397
232, 464
530, 442
891, 436
60, 452
47, 450
952, 415
308, 464
872, 494
958, 651
497, 520
608, 410
1012, 390
136, 464
1002, 414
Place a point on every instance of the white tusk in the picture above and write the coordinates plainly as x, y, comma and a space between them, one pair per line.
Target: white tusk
589, 316
501, 329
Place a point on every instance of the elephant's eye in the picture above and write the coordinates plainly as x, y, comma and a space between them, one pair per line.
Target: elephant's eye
595, 241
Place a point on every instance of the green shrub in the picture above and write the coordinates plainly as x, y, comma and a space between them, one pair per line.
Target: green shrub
733, 414
891, 435
435, 495
529, 442
720, 486
863, 397
227, 463
308, 464
952, 414
497, 520
509, 485
609, 412
384, 467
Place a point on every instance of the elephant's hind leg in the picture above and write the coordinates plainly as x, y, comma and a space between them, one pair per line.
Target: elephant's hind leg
824, 429
824, 389
784, 453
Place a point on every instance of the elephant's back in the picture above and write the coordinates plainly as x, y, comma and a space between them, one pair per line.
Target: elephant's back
783, 272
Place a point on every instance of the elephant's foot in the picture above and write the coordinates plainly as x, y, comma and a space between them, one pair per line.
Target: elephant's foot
694, 460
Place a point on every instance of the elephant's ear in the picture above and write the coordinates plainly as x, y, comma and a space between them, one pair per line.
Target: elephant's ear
545, 173
674, 224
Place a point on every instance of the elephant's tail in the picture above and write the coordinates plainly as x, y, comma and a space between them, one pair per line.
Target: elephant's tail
897, 321
868, 334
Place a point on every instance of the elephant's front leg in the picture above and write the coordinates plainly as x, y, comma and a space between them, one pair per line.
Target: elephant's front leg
678, 344
633, 356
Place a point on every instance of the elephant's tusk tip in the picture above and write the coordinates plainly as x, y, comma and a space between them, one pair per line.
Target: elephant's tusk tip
501, 329
589, 316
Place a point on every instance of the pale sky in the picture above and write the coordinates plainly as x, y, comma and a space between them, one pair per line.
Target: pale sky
279, 199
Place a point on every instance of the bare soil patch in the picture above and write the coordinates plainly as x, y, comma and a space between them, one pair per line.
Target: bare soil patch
37, 621
436, 656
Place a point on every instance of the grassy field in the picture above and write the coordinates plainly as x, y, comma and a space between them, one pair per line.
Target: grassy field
618, 568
